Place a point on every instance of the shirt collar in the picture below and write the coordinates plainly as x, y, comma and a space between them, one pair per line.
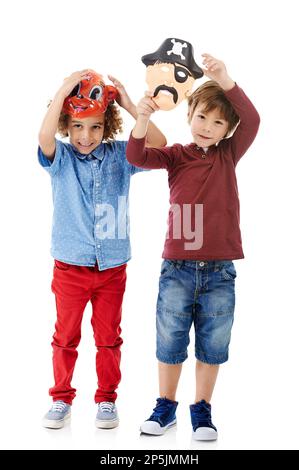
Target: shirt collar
194, 146
98, 152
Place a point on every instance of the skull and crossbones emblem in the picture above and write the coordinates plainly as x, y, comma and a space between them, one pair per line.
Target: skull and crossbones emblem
177, 48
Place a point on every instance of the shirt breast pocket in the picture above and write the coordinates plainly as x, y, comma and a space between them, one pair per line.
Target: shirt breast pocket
113, 178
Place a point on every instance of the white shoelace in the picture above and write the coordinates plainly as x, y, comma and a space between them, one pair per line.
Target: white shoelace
59, 406
107, 406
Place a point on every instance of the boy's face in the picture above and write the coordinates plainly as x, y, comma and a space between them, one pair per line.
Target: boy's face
86, 134
207, 128
170, 83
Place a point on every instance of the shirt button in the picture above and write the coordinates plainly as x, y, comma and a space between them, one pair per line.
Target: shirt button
201, 264
99, 246
97, 184
94, 164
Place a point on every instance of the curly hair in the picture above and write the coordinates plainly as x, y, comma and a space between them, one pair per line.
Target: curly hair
112, 124
212, 96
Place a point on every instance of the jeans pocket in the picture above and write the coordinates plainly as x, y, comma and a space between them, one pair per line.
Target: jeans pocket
61, 266
228, 271
167, 267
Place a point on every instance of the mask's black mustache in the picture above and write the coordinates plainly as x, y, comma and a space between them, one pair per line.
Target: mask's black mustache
170, 89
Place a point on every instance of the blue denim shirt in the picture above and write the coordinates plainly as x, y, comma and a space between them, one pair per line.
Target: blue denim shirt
90, 197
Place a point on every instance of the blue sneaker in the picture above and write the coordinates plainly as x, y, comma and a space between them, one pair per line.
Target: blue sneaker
107, 417
203, 428
161, 419
58, 415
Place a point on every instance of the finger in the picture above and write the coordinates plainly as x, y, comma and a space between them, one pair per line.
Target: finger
143, 111
212, 65
154, 105
207, 57
148, 101
146, 108
79, 72
113, 79
83, 73
208, 61
208, 72
149, 93
116, 82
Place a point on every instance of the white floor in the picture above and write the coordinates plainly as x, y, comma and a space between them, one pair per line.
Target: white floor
264, 424
255, 404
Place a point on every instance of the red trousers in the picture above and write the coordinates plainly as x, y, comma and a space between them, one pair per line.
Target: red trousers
73, 287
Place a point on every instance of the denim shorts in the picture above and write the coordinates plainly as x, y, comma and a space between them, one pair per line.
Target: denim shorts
200, 293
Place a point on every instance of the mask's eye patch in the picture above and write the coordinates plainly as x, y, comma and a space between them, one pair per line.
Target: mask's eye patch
181, 74
96, 93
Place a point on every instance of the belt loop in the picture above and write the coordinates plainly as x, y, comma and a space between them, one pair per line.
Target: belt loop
216, 266
179, 263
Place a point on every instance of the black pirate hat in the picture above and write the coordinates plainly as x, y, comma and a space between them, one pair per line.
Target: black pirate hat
175, 50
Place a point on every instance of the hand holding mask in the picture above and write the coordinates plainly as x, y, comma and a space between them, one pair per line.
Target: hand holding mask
90, 97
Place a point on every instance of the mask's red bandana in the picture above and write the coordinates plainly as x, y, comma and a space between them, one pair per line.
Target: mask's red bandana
90, 97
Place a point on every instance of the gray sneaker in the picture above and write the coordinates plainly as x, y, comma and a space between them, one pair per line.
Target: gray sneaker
107, 416
58, 415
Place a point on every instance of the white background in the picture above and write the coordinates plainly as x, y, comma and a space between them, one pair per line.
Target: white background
255, 404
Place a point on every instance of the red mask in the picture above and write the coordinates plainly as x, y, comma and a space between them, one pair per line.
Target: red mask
90, 97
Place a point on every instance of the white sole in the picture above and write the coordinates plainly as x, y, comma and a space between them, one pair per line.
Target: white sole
56, 424
205, 434
153, 428
109, 424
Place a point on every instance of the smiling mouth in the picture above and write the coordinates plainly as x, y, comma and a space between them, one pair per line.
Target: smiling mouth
204, 137
84, 145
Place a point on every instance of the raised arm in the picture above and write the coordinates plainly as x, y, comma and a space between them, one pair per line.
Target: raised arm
49, 125
249, 117
248, 126
154, 137
137, 154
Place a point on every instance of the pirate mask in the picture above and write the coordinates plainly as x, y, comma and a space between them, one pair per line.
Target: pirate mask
171, 72
90, 97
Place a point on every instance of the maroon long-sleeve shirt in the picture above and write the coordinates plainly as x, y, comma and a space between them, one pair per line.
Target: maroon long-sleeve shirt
203, 222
